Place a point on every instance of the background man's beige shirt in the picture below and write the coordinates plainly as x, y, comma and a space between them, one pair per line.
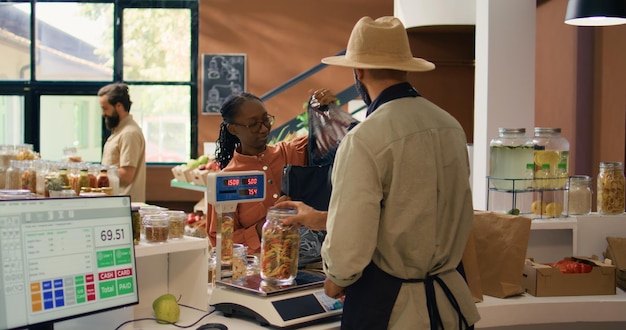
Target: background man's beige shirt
127, 147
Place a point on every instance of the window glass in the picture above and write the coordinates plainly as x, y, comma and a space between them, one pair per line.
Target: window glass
163, 114
15, 41
157, 44
75, 41
71, 121
11, 119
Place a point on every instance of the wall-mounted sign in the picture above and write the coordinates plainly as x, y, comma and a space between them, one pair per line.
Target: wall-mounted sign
222, 75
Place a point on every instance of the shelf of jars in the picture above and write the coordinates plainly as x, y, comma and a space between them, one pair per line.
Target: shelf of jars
544, 198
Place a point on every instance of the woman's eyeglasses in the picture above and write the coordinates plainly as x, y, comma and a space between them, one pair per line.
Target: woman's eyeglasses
256, 126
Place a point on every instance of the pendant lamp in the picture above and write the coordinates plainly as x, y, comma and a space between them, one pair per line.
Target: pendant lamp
596, 12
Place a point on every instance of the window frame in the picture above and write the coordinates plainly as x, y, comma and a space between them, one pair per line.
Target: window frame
33, 89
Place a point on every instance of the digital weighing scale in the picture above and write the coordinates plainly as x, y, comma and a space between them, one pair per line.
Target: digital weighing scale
301, 302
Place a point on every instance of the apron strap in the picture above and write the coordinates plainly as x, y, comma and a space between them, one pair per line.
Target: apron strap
431, 301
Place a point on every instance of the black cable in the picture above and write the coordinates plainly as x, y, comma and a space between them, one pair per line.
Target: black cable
167, 322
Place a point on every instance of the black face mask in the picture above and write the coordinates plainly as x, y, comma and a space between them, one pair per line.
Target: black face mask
362, 90
111, 122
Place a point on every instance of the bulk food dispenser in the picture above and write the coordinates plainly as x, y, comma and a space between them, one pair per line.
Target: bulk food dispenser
529, 176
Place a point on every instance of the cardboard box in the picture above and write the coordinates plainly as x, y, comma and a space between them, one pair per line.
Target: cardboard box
542, 280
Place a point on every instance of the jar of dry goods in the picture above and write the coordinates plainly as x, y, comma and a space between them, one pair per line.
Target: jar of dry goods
156, 227
177, 223
239, 262
279, 248
611, 188
136, 224
579, 194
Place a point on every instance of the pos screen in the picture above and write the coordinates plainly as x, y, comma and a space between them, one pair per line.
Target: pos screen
64, 258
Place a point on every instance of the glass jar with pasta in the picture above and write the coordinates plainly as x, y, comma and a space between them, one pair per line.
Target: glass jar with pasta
279, 248
611, 188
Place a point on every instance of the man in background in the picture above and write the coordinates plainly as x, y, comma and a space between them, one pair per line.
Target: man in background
126, 146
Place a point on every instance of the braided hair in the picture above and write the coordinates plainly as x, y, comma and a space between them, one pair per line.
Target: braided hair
227, 142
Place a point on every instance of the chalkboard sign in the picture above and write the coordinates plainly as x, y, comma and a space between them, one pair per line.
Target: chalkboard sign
222, 75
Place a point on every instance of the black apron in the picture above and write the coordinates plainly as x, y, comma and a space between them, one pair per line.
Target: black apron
370, 300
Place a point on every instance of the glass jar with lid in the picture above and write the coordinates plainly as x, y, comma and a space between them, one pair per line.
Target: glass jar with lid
114, 179
136, 217
177, 223
239, 262
25, 151
13, 180
41, 170
279, 248
156, 227
508, 155
611, 188
551, 148
7, 152
579, 194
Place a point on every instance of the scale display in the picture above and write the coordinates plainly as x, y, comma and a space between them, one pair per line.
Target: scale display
243, 186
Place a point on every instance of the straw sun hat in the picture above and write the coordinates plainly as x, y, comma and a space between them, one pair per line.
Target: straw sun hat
379, 44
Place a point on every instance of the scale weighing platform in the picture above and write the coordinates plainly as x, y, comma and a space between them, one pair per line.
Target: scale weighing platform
302, 302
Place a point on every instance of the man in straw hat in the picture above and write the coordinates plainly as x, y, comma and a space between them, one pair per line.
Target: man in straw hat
401, 206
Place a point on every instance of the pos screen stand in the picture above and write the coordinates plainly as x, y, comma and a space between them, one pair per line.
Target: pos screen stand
227, 189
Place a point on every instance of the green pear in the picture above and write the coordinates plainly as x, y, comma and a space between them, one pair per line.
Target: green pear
193, 163
167, 310
167, 296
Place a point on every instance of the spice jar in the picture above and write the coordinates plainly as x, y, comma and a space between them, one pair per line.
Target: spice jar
508, 155
28, 176
279, 248
157, 227
7, 153
611, 188
13, 180
239, 262
103, 178
177, 223
83, 180
134, 211
579, 195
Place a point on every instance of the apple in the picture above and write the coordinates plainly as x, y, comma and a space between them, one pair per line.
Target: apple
204, 159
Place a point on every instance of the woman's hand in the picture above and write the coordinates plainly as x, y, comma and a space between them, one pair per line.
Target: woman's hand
307, 216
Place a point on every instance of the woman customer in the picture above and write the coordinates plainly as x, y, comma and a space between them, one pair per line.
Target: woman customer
242, 146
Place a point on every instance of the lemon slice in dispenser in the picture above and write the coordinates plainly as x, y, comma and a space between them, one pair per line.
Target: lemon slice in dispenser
547, 157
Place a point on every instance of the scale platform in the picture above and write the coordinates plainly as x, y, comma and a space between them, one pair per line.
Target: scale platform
282, 306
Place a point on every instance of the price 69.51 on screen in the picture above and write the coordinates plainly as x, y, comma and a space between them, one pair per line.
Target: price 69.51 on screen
113, 235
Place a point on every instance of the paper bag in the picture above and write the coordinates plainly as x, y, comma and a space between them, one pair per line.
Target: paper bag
616, 251
501, 243
470, 268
